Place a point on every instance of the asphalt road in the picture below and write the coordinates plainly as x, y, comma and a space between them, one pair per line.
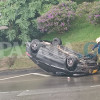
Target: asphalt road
35, 84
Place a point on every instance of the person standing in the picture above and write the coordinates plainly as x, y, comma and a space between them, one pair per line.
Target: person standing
97, 46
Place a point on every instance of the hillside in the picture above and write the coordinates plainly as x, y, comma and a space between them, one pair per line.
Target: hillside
81, 31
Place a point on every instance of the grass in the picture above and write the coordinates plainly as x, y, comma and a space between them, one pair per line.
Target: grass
18, 63
80, 31
23, 62
16, 50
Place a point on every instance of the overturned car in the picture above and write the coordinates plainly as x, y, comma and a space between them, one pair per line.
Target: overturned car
57, 59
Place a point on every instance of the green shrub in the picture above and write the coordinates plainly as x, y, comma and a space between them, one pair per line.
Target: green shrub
81, 1
91, 11
83, 9
58, 18
94, 14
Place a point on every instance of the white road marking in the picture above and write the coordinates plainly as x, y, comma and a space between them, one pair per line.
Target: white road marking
38, 74
95, 86
4, 92
10, 92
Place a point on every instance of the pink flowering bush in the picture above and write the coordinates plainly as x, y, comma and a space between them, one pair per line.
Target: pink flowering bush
58, 18
94, 14
91, 11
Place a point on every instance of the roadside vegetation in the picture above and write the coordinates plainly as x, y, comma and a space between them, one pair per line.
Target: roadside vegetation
76, 22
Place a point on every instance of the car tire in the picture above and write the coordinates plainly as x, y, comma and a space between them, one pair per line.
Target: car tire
56, 41
35, 45
71, 63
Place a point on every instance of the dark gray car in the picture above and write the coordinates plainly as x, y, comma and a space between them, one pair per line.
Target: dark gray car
55, 58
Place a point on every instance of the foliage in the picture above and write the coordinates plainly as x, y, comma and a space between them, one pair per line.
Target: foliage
89, 10
20, 16
83, 9
81, 1
58, 18
94, 14
48, 6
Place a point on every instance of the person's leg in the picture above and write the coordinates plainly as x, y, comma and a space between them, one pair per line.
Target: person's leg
98, 61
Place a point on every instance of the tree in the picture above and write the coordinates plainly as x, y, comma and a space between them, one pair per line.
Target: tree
20, 17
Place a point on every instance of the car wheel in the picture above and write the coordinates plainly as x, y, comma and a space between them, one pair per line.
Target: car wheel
35, 44
56, 41
71, 63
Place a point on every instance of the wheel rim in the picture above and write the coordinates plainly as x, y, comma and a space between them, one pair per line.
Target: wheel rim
34, 46
70, 62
